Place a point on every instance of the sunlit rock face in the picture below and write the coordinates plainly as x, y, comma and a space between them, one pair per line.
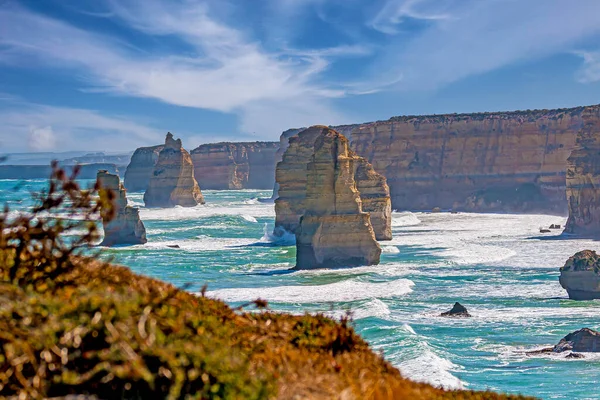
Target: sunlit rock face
334, 231
172, 182
583, 178
231, 165
580, 276
125, 228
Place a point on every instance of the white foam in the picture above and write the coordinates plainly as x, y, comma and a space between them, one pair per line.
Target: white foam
347, 290
430, 368
372, 308
390, 249
249, 218
405, 219
208, 210
287, 239
201, 243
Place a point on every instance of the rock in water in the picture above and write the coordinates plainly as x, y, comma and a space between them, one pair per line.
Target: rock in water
334, 231
583, 178
172, 182
582, 341
580, 276
140, 168
458, 310
126, 227
291, 178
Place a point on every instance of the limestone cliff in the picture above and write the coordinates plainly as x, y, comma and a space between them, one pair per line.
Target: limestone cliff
172, 182
583, 178
511, 161
140, 168
126, 227
242, 165
580, 276
334, 231
291, 175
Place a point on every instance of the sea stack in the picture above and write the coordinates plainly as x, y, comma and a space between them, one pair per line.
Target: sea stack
580, 276
583, 178
172, 182
140, 168
125, 228
291, 181
334, 231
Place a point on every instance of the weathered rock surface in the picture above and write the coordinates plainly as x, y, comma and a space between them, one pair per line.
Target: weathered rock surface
580, 276
505, 161
243, 165
126, 227
291, 175
585, 340
334, 231
458, 310
284, 143
583, 178
141, 167
172, 182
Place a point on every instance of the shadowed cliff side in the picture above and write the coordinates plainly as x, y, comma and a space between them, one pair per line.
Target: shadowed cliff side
173, 183
583, 178
140, 168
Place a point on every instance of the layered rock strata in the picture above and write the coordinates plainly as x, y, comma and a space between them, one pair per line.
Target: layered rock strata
291, 175
141, 167
583, 178
173, 182
126, 228
511, 161
580, 276
334, 231
244, 165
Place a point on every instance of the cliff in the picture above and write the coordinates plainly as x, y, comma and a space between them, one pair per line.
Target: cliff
291, 176
140, 168
172, 182
334, 231
87, 171
583, 178
125, 227
242, 165
507, 161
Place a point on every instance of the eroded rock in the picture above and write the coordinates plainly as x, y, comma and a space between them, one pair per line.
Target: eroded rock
458, 310
580, 276
141, 167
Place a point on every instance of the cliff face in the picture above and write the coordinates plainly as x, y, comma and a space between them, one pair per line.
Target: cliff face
334, 231
512, 161
172, 182
126, 227
583, 178
140, 168
291, 176
244, 165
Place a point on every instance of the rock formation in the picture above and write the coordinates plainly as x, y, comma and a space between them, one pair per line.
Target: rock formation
583, 178
291, 175
172, 182
140, 168
580, 276
334, 231
458, 310
126, 227
585, 340
227, 165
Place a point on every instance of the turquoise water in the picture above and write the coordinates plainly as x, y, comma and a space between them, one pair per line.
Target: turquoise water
495, 265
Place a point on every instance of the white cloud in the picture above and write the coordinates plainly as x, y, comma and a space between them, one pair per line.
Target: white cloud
41, 139
395, 12
590, 71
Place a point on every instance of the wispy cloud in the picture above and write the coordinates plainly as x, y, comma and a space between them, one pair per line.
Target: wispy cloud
395, 12
590, 70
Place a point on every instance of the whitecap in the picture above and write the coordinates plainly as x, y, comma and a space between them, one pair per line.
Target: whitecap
390, 249
405, 219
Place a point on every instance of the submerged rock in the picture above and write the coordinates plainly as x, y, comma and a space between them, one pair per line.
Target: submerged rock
458, 310
126, 228
580, 276
173, 182
334, 231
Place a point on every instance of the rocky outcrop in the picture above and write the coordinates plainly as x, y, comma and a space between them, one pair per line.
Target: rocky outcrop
583, 178
506, 161
140, 168
585, 340
458, 310
291, 175
243, 165
580, 276
172, 182
334, 231
125, 228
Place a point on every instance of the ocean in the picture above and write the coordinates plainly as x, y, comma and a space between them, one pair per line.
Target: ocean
497, 265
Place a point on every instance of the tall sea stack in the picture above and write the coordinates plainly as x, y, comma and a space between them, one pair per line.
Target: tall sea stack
172, 182
125, 228
334, 231
140, 168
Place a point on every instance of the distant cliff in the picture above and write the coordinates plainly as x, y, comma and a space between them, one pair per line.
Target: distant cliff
505, 161
140, 168
228, 165
583, 178
87, 171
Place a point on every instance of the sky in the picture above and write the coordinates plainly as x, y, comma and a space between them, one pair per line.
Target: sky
114, 75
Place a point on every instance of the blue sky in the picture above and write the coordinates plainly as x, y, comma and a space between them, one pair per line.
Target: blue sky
114, 75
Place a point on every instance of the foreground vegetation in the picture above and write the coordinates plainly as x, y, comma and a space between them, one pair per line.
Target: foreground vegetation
71, 324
